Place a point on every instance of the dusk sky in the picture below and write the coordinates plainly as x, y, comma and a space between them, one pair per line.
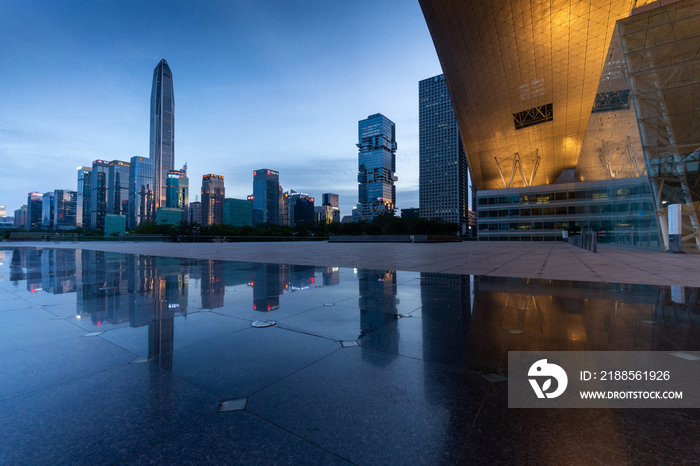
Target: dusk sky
258, 84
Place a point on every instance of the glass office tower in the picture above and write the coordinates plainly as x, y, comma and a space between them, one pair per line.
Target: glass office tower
141, 192
47, 211
98, 197
444, 179
35, 203
162, 150
118, 188
65, 209
84, 193
266, 193
212, 200
177, 186
377, 164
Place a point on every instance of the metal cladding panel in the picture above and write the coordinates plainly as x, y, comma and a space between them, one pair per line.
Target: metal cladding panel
501, 58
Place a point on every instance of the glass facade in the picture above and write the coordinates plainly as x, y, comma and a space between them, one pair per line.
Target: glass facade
533, 106
47, 211
331, 210
213, 194
162, 147
660, 48
620, 211
118, 188
266, 197
444, 178
82, 214
237, 212
376, 167
65, 209
98, 197
178, 190
141, 192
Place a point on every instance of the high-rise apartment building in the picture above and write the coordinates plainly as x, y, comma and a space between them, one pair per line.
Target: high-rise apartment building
266, 196
98, 196
141, 192
444, 178
35, 203
212, 200
65, 209
47, 211
162, 148
376, 167
118, 188
82, 215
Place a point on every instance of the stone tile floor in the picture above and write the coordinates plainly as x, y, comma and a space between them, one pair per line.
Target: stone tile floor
556, 260
364, 366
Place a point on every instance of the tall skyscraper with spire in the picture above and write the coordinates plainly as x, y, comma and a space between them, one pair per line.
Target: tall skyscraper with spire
162, 151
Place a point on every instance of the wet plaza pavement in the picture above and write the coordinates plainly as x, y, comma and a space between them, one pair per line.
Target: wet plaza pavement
118, 358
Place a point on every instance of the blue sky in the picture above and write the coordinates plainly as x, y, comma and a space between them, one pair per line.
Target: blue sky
258, 84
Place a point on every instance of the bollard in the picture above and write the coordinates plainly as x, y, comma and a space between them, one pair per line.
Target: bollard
595, 243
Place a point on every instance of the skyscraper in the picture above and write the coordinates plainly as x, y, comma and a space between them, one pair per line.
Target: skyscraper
84, 192
266, 202
444, 178
34, 205
212, 200
162, 151
47, 211
300, 207
118, 188
177, 186
141, 192
65, 209
331, 208
98, 197
376, 167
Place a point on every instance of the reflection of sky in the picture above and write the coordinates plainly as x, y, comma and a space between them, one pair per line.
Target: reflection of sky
296, 75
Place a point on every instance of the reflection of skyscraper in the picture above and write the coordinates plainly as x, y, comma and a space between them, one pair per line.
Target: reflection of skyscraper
331, 276
162, 151
267, 286
212, 284
378, 303
446, 316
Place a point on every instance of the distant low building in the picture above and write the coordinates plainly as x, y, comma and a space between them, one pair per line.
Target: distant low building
411, 212
168, 216
115, 224
238, 212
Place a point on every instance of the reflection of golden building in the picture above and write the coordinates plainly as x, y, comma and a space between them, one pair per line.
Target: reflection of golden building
545, 88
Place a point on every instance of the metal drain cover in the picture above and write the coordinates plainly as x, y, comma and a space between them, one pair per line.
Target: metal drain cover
263, 323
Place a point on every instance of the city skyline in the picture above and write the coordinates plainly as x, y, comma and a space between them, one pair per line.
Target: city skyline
277, 76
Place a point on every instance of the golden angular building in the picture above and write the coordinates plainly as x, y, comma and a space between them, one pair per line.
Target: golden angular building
575, 108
